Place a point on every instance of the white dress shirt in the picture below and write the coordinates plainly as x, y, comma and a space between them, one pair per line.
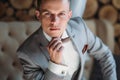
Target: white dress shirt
70, 58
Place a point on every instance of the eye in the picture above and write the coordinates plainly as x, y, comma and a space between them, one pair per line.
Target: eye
62, 15
46, 14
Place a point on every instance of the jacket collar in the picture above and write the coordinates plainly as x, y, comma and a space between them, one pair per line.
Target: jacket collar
44, 42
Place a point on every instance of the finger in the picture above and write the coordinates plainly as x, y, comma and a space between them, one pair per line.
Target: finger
49, 51
60, 49
53, 41
58, 46
55, 46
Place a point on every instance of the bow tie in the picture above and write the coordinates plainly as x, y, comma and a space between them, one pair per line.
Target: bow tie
64, 40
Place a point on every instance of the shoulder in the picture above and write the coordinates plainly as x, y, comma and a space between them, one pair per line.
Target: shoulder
77, 23
29, 41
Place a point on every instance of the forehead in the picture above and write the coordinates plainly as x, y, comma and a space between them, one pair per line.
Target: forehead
55, 5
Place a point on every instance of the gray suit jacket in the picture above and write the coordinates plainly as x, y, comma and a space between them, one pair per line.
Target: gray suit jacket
34, 57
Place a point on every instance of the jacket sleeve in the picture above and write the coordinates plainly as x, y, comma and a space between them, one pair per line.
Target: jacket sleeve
77, 7
102, 53
33, 71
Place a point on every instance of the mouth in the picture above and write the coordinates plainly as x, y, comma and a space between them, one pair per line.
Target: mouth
54, 29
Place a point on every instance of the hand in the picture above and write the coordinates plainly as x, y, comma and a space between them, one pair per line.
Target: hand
55, 49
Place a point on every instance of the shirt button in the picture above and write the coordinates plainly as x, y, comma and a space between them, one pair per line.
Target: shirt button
63, 72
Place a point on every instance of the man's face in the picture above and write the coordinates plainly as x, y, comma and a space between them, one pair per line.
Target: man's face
54, 15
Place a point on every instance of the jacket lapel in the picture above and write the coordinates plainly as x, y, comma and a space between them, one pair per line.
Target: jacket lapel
43, 42
78, 43
36, 49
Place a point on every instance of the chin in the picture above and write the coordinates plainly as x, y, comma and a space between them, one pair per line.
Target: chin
54, 35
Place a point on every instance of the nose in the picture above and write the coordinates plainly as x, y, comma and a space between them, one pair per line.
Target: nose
54, 19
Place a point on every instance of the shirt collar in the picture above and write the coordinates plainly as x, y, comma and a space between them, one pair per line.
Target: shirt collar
49, 38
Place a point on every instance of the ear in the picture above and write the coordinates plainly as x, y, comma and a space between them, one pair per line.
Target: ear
70, 14
37, 13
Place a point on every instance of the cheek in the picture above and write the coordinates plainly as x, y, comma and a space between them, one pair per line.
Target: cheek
45, 22
64, 28
64, 22
44, 25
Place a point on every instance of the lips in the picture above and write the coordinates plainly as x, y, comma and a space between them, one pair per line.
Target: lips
54, 28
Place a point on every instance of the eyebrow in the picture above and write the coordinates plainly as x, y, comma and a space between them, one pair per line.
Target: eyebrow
45, 10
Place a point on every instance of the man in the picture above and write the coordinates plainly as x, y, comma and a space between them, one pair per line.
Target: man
56, 51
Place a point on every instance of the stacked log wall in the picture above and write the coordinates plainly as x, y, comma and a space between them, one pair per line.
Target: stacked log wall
23, 10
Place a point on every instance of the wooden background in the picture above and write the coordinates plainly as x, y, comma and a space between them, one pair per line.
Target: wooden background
23, 10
